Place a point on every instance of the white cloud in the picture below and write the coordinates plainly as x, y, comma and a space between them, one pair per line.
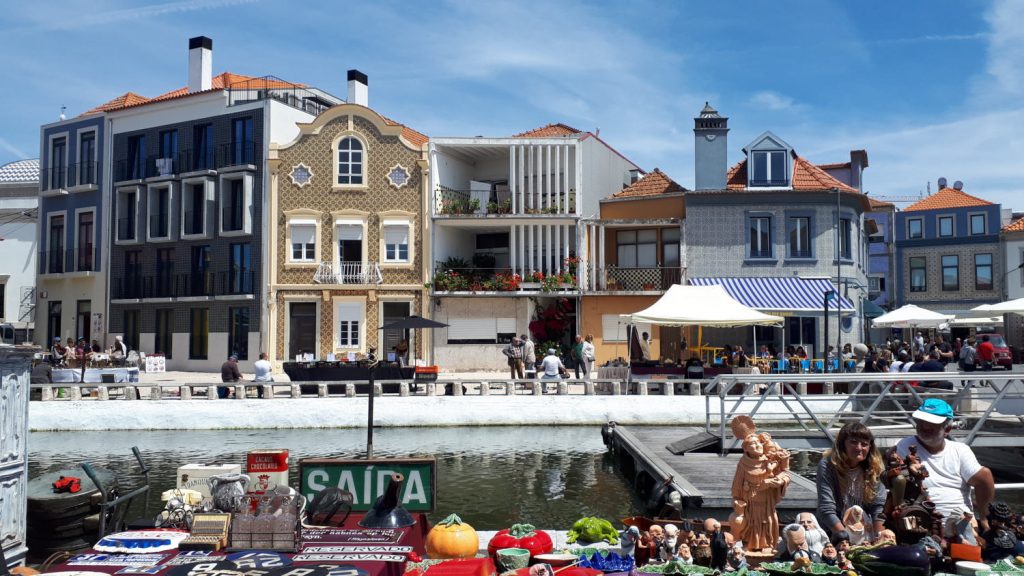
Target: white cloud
773, 101
1005, 67
90, 17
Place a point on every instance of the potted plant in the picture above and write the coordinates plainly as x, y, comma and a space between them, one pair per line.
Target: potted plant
533, 281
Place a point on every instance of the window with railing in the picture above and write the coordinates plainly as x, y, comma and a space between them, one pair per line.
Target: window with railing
55, 246
202, 147
131, 276
136, 164
86, 169
86, 242
168, 152
760, 237
233, 199
58, 163
194, 199
127, 213
159, 206
200, 280
241, 141
165, 272
670, 246
918, 274
240, 271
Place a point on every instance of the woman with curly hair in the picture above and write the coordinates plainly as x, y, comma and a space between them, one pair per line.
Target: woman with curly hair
850, 474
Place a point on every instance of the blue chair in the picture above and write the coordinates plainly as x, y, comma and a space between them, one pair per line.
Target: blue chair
819, 366
851, 365
781, 366
834, 365
805, 366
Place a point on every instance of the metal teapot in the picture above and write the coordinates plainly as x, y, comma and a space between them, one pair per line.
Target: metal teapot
227, 491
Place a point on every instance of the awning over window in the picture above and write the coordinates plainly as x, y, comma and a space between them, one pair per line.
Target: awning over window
783, 294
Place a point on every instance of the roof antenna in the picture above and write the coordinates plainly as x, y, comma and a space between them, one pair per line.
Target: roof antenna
597, 132
62, 109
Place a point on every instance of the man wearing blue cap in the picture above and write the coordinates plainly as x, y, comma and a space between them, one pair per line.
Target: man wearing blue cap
952, 467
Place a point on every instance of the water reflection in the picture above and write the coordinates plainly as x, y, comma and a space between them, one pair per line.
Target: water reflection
492, 476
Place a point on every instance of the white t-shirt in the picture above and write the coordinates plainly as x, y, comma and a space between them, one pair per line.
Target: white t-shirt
551, 365
894, 368
948, 473
262, 369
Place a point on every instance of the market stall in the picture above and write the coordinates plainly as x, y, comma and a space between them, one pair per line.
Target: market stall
697, 306
98, 375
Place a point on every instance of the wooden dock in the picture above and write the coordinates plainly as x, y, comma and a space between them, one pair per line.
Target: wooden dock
704, 480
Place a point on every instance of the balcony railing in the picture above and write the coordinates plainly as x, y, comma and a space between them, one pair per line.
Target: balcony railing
348, 273
66, 260
236, 154
83, 174
194, 160
448, 279
55, 178
452, 202
158, 225
269, 87
133, 169
232, 218
197, 284
658, 278
193, 222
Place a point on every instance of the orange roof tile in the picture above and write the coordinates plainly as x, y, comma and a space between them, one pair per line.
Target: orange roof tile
806, 178
651, 184
123, 101
947, 198
1015, 226
549, 130
409, 134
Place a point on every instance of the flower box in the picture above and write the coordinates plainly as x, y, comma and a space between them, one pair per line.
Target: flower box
529, 285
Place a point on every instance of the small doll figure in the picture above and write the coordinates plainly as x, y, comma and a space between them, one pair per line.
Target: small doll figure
843, 563
668, 546
853, 519
886, 537
965, 528
701, 549
630, 537
683, 554
642, 551
719, 543
829, 555
737, 557
657, 535
1000, 541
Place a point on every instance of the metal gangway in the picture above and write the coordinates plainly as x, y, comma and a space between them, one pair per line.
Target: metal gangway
989, 406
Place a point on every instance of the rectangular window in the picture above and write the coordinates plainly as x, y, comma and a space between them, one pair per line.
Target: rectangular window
240, 275
670, 247
950, 272
982, 271
396, 243
977, 224
83, 319
876, 284
945, 226
168, 152
234, 206
241, 141
915, 228
238, 332
132, 277
799, 237
769, 168
637, 248
303, 242
201, 279
127, 207
58, 163
202, 147
760, 237
350, 242
194, 209
85, 259
164, 273
348, 317
199, 334
159, 212
918, 274
86, 172
164, 337
131, 329
845, 239
53, 313
801, 331
55, 258
136, 163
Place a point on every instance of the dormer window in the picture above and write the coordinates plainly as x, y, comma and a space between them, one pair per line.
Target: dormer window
769, 168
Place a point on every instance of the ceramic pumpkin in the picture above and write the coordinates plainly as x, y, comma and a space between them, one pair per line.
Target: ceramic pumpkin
452, 538
521, 536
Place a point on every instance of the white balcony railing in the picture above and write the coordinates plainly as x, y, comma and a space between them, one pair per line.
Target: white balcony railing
348, 273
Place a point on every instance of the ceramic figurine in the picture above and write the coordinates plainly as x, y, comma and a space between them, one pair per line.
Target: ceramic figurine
759, 484
829, 555
886, 536
642, 551
965, 528
795, 541
737, 557
719, 544
853, 519
668, 546
1000, 541
683, 554
628, 541
701, 549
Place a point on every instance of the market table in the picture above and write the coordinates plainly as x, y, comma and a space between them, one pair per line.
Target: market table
369, 552
96, 374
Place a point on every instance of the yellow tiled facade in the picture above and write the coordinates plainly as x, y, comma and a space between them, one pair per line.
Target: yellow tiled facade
394, 172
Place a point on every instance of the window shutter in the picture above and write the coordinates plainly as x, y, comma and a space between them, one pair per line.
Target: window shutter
611, 328
350, 232
505, 325
472, 329
304, 234
396, 234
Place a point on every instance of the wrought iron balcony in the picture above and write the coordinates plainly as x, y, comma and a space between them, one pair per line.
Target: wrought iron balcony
67, 260
167, 284
348, 273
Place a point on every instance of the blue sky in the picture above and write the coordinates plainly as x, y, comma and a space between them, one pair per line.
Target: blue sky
928, 88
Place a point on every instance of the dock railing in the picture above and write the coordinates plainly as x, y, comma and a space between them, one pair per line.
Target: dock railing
988, 405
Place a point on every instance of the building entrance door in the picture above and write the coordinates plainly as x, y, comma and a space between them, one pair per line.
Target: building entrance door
302, 329
392, 312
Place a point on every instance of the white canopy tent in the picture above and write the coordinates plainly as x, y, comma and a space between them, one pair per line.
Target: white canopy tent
709, 306
1008, 307
911, 316
976, 320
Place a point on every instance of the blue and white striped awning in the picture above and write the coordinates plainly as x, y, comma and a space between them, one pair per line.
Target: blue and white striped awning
781, 294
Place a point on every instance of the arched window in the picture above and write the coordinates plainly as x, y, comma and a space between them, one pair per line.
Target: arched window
350, 161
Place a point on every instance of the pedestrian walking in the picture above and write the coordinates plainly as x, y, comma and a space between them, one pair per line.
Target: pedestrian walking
514, 353
576, 355
588, 356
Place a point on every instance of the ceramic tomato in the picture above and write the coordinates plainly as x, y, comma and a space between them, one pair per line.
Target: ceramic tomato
521, 536
452, 538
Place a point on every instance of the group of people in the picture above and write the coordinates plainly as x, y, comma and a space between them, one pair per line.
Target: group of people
74, 355
852, 489
229, 372
521, 356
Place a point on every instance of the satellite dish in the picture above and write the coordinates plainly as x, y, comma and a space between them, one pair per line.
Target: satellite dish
958, 185
942, 183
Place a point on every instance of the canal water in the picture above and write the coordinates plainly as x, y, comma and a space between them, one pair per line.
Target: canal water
493, 477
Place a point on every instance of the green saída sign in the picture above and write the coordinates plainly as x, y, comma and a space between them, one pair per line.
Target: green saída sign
368, 479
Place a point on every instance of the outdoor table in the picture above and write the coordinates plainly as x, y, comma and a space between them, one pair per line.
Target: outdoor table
120, 375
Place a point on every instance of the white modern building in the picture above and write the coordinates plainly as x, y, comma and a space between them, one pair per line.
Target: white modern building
19, 206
